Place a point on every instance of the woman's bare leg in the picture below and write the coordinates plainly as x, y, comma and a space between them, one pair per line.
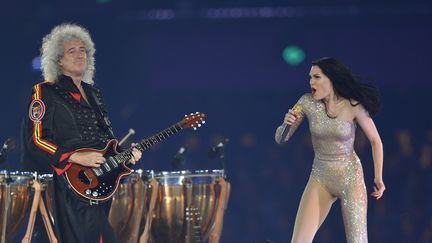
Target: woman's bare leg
314, 206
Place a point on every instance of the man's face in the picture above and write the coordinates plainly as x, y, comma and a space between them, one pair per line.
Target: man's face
74, 60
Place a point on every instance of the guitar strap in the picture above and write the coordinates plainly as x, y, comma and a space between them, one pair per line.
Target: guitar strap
96, 103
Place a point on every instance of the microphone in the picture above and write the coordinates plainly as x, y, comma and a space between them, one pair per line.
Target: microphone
8, 146
285, 127
179, 159
218, 150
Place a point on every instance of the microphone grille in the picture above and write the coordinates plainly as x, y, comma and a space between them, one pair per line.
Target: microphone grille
297, 108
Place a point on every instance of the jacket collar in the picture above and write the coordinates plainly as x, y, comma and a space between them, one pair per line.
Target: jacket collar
66, 83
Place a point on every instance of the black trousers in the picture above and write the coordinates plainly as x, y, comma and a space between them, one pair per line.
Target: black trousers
76, 221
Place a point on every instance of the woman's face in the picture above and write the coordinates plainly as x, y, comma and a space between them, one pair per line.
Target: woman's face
321, 86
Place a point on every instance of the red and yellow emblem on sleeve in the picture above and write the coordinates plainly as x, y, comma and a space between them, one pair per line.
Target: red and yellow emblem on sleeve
36, 113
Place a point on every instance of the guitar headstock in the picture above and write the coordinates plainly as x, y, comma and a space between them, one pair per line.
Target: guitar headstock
193, 120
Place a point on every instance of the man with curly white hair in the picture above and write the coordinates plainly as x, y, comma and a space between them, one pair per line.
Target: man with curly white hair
67, 113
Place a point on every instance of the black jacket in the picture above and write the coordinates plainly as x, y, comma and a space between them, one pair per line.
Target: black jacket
59, 121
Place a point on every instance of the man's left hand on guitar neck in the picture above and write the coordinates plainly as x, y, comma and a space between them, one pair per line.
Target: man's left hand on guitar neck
136, 155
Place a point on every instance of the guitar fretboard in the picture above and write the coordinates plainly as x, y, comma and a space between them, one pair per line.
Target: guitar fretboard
143, 145
148, 142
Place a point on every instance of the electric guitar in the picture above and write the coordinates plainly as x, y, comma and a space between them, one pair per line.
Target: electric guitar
100, 183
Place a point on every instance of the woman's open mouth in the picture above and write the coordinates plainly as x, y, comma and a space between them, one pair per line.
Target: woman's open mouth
313, 91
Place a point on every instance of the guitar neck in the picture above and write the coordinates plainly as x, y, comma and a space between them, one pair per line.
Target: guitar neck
148, 142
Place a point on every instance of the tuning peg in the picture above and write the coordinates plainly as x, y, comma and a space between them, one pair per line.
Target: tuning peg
203, 122
199, 125
194, 128
185, 115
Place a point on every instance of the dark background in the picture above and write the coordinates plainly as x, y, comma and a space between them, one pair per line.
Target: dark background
159, 60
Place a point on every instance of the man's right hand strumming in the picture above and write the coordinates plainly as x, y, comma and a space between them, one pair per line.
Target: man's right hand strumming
88, 159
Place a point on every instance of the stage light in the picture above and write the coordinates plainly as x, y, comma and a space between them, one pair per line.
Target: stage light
293, 55
103, 1
36, 64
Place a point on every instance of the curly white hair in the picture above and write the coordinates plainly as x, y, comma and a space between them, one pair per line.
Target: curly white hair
52, 51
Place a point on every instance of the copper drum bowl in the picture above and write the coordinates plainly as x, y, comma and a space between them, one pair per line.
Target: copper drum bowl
127, 208
15, 197
186, 204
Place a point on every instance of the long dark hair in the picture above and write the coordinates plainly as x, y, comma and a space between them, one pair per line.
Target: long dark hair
348, 86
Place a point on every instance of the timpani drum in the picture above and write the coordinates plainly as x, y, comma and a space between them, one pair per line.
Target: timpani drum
15, 197
127, 208
187, 205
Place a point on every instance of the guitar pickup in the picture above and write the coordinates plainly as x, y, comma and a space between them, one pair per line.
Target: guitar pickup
113, 162
106, 166
97, 171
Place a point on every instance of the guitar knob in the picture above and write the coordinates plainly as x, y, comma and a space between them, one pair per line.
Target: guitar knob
95, 194
88, 192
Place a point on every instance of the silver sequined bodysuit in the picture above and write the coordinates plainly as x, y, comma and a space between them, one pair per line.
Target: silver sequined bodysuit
336, 165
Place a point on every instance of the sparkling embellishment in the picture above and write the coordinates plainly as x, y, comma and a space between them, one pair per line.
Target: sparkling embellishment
336, 166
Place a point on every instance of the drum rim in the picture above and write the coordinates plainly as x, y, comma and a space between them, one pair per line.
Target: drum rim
45, 177
16, 172
184, 173
19, 177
